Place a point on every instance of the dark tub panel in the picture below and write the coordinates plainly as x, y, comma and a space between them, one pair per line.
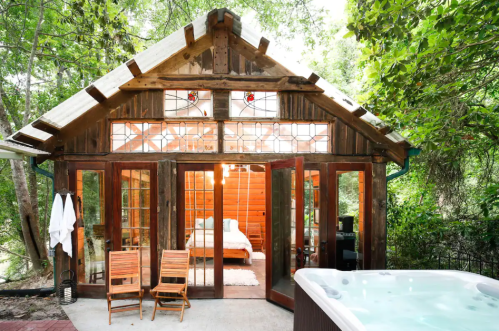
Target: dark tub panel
309, 316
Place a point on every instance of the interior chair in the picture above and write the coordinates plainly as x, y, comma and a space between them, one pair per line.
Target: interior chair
124, 265
174, 264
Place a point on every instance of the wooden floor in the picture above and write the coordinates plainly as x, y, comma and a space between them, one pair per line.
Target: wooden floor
246, 292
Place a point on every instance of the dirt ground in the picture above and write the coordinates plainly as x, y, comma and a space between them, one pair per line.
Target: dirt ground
37, 281
31, 309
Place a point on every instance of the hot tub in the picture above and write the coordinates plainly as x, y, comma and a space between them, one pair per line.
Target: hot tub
329, 299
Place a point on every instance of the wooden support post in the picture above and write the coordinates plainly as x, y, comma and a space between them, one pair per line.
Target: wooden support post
378, 247
220, 129
221, 105
61, 181
221, 51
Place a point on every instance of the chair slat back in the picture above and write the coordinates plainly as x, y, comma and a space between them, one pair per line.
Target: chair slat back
124, 264
175, 264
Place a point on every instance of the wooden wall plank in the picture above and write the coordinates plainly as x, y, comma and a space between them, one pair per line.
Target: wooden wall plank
221, 51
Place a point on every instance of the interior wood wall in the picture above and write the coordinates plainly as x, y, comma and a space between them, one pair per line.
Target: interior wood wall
245, 202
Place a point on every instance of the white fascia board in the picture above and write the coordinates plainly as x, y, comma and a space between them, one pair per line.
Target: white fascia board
161, 51
69, 110
109, 84
7, 155
199, 25
372, 119
395, 137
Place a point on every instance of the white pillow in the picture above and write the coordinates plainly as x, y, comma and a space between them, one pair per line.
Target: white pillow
234, 225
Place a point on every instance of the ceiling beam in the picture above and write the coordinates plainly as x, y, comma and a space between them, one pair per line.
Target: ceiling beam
96, 94
43, 126
134, 68
220, 82
394, 151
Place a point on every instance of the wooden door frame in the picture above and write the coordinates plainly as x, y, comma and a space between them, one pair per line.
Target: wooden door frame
333, 197
216, 291
116, 239
297, 163
92, 290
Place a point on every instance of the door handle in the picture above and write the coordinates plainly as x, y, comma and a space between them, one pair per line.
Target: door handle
323, 245
108, 241
108, 249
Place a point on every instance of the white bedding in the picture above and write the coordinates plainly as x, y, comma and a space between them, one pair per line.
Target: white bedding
232, 240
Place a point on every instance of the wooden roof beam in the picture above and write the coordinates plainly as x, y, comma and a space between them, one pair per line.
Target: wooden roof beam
21, 137
228, 21
314, 78
221, 82
385, 130
43, 126
96, 94
189, 35
264, 45
134, 68
359, 112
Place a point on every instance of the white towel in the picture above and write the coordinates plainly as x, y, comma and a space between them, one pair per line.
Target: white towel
56, 221
68, 221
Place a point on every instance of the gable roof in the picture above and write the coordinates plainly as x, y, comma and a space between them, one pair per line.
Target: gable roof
63, 116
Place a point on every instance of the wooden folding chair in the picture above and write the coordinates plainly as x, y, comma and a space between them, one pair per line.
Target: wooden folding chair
173, 264
124, 265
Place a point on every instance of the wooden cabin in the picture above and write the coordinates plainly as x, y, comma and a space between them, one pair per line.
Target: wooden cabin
212, 141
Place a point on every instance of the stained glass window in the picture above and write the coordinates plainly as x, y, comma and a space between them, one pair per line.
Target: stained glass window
157, 137
254, 104
282, 137
188, 103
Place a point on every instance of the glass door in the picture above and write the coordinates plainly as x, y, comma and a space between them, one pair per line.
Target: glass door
200, 227
91, 182
350, 216
135, 215
285, 228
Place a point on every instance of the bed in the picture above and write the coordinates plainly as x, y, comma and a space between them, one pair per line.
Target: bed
235, 244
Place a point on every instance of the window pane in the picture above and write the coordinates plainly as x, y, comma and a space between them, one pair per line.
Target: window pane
188, 103
268, 137
253, 104
170, 137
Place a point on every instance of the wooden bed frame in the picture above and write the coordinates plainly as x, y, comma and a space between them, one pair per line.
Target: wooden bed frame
241, 253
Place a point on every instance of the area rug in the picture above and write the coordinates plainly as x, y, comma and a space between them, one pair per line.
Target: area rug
258, 256
232, 277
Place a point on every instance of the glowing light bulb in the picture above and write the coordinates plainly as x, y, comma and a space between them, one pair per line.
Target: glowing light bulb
232, 166
223, 181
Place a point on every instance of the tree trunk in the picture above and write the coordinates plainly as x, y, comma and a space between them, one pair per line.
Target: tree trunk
29, 225
27, 109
